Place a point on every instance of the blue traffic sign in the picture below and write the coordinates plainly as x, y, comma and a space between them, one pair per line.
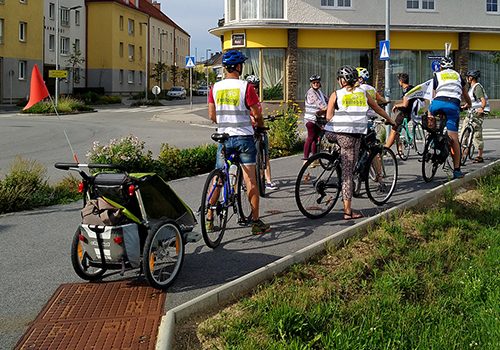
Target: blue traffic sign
435, 66
190, 62
385, 50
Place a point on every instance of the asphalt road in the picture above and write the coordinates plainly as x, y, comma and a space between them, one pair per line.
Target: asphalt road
34, 245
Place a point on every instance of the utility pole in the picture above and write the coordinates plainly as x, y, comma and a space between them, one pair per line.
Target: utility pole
387, 78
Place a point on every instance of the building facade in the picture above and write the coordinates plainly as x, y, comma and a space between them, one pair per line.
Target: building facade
21, 46
289, 40
70, 43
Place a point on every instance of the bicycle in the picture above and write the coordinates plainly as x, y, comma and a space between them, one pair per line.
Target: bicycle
408, 138
437, 150
466, 139
318, 184
129, 221
262, 156
224, 190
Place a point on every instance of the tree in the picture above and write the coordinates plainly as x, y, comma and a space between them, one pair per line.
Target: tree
74, 61
174, 73
159, 69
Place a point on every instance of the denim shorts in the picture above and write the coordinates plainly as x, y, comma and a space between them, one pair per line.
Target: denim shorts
450, 109
244, 145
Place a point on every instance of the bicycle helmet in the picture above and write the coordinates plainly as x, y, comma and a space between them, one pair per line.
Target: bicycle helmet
363, 73
253, 79
348, 73
446, 62
233, 57
476, 74
314, 77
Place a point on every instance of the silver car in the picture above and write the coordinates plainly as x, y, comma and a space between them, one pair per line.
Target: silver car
176, 92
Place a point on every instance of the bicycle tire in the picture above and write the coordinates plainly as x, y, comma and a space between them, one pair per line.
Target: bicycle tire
418, 138
244, 206
317, 187
81, 261
465, 144
429, 160
163, 254
380, 187
403, 143
260, 168
219, 207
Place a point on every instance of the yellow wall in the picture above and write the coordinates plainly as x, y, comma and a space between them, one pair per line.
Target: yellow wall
336, 39
260, 38
104, 37
422, 40
484, 42
14, 12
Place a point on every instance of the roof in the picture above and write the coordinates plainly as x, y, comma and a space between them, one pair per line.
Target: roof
216, 59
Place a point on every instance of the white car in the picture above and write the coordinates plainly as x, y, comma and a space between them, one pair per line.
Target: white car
176, 92
202, 91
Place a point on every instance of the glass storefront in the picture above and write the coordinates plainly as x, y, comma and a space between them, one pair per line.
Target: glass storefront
269, 66
489, 65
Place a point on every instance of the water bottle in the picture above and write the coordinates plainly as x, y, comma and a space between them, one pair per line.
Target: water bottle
233, 169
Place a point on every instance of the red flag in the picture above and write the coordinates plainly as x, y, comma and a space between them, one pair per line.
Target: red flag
38, 90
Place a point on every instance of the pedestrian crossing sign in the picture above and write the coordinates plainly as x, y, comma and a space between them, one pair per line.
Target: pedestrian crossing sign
190, 62
385, 50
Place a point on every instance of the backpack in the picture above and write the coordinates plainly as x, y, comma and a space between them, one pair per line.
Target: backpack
99, 212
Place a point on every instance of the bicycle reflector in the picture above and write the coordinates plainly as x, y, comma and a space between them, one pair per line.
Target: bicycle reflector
118, 240
80, 187
131, 190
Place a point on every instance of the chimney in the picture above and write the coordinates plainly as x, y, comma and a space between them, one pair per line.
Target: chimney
157, 5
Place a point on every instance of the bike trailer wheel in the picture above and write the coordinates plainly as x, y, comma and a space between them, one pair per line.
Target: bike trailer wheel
83, 264
163, 254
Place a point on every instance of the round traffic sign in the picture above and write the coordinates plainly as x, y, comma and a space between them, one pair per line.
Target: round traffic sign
156, 90
435, 66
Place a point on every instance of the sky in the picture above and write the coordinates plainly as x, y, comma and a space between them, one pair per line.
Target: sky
196, 17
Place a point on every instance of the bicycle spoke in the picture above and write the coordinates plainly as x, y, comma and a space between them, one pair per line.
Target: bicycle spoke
384, 168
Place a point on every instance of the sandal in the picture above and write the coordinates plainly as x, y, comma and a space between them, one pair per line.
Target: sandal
478, 159
352, 216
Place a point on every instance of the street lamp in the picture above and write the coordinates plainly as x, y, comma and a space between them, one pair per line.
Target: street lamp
206, 63
161, 58
147, 61
58, 16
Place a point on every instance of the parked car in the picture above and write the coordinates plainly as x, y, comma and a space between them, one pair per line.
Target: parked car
176, 92
202, 91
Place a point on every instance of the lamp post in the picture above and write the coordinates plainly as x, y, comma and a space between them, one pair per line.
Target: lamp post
58, 15
206, 64
161, 59
146, 80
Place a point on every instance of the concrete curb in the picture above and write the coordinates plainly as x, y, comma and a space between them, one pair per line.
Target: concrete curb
234, 289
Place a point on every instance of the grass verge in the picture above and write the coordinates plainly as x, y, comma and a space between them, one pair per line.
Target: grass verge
424, 280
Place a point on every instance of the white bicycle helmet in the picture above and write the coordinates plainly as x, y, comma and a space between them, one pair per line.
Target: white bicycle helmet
363, 73
446, 62
253, 79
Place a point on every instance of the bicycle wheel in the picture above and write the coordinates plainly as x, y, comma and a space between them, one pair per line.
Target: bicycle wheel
381, 183
403, 144
429, 160
82, 263
213, 203
356, 193
163, 254
418, 138
260, 168
465, 145
244, 206
317, 187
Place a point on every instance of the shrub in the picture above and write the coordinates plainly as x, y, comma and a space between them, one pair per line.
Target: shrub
128, 151
175, 163
273, 93
283, 132
109, 99
65, 105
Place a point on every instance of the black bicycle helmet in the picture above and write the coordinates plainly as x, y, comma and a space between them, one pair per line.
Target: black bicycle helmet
446, 62
314, 77
476, 74
233, 57
349, 73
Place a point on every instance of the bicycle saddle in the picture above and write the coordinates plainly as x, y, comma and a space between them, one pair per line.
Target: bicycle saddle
220, 137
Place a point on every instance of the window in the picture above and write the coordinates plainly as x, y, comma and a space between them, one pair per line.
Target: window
131, 76
120, 50
22, 70
232, 10
491, 5
76, 75
77, 44
77, 18
23, 1
140, 77
336, 3
131, 25
65, 17
131, 52
1, 30
490, 71
22, 31
120, 76
261, 9
420, 5
52, 42
121, 22
140, 53
52, 10
64, 45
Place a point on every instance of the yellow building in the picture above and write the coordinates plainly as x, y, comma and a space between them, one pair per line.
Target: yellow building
116, 46
21, 46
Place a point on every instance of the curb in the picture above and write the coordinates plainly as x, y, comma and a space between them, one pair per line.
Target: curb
232, 290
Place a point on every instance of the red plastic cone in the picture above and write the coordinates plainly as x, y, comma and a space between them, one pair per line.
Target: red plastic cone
38, 90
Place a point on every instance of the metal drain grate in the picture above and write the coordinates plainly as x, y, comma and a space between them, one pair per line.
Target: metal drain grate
115, 315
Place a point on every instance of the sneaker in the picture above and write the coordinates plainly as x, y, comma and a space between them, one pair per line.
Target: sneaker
259, 227
457, 174
272, 186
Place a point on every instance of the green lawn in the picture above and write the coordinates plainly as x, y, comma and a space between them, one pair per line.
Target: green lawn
424, 280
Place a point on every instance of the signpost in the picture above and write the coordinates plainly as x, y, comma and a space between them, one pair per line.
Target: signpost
190, 64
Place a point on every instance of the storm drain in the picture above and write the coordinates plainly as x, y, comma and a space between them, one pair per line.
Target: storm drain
115, 315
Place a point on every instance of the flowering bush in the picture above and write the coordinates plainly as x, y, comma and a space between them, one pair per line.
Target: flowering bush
283, 132
128, 151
